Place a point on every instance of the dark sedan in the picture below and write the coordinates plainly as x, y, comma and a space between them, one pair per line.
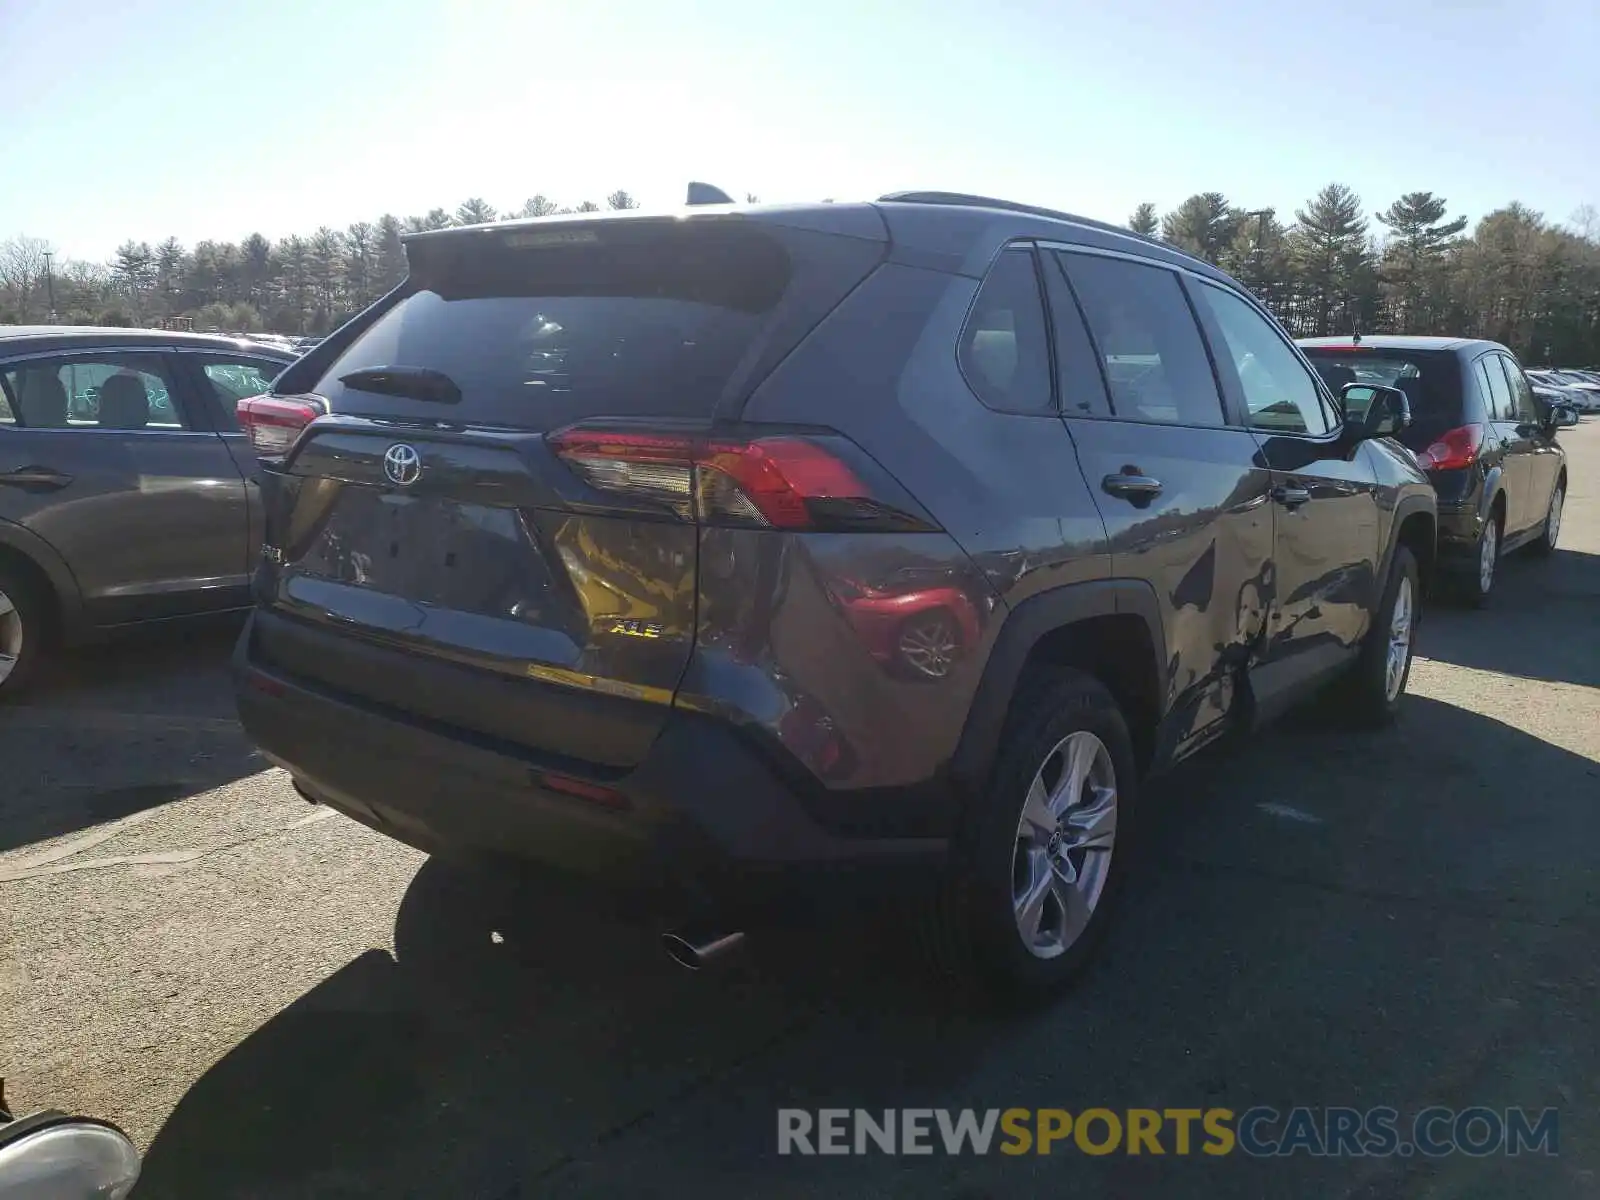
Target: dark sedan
124, 482
1477, 428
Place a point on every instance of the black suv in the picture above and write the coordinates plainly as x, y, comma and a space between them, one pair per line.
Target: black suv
735, 548
1486, 441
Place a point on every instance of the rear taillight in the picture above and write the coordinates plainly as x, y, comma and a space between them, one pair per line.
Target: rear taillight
783, 481
272, 423
1454, 449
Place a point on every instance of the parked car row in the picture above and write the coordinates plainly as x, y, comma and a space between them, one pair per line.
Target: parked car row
1579, 389
781, 552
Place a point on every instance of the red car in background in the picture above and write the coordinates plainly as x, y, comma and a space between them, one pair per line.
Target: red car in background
918, 627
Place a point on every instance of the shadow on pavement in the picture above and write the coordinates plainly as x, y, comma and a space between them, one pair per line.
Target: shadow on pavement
120, 728
1556, 603
1401, 918
182, 661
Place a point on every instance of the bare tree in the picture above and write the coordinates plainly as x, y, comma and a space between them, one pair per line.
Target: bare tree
22, 270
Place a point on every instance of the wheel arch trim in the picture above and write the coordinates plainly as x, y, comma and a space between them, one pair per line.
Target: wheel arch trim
1021, 631
33, 549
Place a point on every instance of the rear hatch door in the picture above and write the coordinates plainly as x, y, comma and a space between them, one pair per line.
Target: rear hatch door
429, 514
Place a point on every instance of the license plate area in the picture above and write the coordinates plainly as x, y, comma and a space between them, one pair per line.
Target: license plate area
439, 552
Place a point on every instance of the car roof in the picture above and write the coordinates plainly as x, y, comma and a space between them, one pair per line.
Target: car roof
1467, 347
34, 339
952, 231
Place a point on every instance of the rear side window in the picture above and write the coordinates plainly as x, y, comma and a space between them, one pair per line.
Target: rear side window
115, 392
1497, 389
1145, 334
1522, 406
542, 327
1004, 352
232, 380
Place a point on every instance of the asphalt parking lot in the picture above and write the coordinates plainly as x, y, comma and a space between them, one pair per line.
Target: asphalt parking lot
277, 1002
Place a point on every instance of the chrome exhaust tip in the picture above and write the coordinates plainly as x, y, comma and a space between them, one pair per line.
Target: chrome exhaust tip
695, 952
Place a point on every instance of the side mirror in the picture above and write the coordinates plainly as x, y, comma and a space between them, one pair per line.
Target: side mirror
1562, 416
1373, 411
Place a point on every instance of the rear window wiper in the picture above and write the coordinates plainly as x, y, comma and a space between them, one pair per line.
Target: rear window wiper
417, 383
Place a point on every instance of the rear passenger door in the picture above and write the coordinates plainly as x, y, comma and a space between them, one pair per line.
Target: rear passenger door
1182, 494
109, 460
1325, 510
1543, 454
222, 380
1513, 439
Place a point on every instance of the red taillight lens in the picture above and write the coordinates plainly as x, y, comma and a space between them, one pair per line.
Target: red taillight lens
1454, 449
778, 482
273, 423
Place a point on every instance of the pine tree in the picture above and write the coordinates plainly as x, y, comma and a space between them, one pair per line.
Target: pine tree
359, 242
474, 212
1203, 225
1412, 262
255, 254
538, 206
326, 251
1144, 220
391, 267
1331, 255
621, 200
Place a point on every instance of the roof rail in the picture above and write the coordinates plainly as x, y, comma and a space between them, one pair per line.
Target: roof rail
963, 198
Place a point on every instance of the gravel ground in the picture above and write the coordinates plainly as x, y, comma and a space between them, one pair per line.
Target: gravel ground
276, 1002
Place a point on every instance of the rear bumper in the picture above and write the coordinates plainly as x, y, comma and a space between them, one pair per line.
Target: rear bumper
703, 813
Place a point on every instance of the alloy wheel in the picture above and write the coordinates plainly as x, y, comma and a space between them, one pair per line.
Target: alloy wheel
930, 646
1552, 522
1064, 843
11, 634
1488, 554
1400, 621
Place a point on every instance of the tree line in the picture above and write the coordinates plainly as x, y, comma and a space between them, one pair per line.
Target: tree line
301, 284
1516, 277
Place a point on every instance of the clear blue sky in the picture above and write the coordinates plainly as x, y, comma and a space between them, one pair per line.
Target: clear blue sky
216, 118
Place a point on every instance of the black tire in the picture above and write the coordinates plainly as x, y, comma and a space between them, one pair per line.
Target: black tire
25, 629
975, 936
1367, 699
1545, 544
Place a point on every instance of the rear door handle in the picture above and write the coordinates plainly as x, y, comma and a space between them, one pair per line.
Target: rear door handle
1132, 486
1291, 495
35, 479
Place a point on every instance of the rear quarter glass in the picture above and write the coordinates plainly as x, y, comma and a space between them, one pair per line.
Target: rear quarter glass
667, 318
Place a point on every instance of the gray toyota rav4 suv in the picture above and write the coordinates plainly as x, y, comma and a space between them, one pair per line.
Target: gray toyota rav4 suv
755, 552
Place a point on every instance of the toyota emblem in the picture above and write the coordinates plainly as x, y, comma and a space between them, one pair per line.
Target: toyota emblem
402, 464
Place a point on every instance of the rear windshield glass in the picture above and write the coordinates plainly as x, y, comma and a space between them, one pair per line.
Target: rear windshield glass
650, 320
1430, 380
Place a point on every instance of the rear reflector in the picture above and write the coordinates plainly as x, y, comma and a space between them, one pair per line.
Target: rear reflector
273, 422
595, 793
1453, 450
783, 481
